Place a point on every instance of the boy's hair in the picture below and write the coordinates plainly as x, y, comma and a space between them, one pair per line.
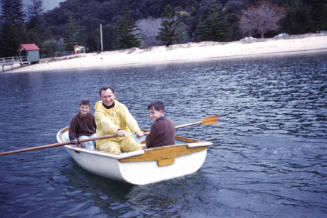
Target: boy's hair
157, 105
105, 88
85, 102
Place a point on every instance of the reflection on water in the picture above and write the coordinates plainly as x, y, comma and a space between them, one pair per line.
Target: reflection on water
268, 157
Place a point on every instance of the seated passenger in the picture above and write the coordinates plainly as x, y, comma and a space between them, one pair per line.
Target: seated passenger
113, 117
162, 131
83, 125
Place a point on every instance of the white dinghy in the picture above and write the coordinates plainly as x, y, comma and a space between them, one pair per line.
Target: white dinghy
142, 167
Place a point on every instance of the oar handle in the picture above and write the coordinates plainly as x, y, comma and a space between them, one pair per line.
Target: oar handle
56, 144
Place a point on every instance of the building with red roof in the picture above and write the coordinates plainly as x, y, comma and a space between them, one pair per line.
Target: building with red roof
29, 47
32, 52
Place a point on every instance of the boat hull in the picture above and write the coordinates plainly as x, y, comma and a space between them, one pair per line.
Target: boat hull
143, 166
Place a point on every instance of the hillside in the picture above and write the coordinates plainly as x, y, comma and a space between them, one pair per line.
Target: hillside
145, 23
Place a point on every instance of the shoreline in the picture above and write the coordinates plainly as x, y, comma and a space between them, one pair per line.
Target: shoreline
184, 53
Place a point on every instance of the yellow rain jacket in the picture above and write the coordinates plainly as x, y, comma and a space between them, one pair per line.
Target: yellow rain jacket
108, 122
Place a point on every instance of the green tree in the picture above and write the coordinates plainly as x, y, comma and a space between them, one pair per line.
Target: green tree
319, 15
35, 29
48, 48
302, 17
35, 11
12, 27
125, 32
72, 34
168, 31
108, 37
296, 20
214, 27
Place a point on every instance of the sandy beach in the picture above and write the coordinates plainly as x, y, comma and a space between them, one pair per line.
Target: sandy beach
184, 53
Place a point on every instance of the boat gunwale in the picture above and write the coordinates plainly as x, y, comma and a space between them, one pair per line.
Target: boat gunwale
192, 143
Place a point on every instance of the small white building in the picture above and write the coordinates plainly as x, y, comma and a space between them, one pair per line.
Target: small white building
79, 49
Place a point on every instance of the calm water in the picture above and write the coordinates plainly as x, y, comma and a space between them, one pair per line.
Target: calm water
269, 153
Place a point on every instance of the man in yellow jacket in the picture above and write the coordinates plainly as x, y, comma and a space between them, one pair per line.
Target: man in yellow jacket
113, 117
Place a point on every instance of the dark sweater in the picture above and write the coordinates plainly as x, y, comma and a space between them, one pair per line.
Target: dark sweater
162, 133
82, 126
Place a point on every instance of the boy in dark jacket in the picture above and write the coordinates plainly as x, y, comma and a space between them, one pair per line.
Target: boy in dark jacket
83, 125
162, 130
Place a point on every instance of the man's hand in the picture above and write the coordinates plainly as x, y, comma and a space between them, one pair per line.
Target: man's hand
74, 142
121, 133
139, 134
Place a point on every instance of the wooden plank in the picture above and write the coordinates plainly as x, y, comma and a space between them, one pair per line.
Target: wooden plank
163, 155
165, 162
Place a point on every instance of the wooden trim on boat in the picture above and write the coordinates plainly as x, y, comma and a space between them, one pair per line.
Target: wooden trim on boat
180, 138
164, 155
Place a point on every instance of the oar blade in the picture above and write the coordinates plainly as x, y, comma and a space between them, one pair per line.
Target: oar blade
210, 120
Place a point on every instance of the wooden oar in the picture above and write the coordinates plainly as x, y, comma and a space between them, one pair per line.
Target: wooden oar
56, 144
205, 121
